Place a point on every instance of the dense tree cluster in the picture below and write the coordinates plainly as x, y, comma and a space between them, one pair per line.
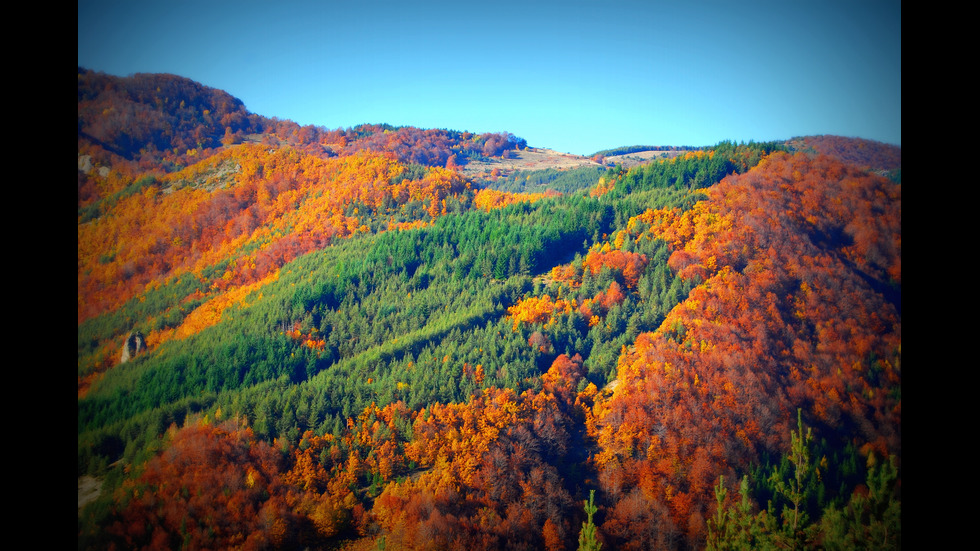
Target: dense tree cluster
433, 147
233, 220
348, 342
553, 180
857, 151
214, 486
798, 309
157, 115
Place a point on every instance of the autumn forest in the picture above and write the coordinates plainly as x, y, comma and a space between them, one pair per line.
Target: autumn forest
295, 337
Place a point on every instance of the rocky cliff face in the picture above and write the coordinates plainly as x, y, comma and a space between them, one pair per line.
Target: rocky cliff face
85, 165
134, 345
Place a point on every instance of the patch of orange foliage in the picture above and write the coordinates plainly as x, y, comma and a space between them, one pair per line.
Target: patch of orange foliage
538, 310
489, 199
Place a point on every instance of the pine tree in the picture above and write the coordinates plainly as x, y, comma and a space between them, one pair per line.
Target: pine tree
872, 521
587, 537
795, 519
736, 527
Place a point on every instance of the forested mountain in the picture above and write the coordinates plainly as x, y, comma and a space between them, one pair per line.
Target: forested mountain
294, 337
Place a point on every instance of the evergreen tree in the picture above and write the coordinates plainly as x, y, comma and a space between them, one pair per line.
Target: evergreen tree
736, 527
872, 521
795, 519
587, 540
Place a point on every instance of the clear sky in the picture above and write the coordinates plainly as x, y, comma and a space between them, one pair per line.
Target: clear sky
575, 76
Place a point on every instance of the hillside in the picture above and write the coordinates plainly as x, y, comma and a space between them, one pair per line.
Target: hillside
527, 159
364, 337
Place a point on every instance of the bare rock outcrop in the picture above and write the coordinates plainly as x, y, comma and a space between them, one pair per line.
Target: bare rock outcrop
134, 345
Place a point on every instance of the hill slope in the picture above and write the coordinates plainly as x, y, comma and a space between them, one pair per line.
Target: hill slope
349, 340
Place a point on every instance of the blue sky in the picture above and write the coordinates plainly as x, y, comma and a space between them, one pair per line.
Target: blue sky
574, 76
